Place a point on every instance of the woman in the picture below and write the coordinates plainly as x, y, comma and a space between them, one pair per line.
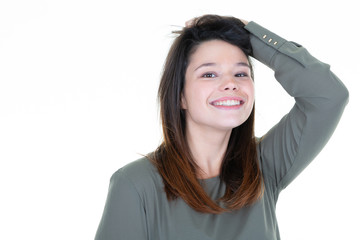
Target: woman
211, 178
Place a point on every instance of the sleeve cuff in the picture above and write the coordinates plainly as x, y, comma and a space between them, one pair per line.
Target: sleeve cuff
265, 43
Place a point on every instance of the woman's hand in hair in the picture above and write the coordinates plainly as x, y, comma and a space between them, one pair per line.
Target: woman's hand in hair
191, 22
244, 21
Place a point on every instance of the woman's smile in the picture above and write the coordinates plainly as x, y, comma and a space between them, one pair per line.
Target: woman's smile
228, 103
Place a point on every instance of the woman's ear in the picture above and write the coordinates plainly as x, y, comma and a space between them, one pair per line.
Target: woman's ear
183, 101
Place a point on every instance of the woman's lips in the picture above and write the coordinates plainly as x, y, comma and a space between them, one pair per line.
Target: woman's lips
228, 103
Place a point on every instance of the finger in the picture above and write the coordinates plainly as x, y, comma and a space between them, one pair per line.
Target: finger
190, 22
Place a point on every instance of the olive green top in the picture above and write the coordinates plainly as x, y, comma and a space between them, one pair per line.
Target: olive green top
137, 207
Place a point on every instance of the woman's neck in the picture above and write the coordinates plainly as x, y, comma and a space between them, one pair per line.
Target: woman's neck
207, 147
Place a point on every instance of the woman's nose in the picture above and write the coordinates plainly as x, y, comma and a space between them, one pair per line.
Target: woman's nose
230, 84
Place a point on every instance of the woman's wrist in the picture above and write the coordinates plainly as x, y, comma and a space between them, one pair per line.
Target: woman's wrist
244, 21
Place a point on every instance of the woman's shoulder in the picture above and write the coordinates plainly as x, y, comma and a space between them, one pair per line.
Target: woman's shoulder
141, 174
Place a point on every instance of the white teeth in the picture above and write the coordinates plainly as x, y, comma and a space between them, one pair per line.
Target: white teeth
228, 103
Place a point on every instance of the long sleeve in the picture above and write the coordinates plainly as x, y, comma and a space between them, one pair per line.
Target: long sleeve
320, 100
124, 213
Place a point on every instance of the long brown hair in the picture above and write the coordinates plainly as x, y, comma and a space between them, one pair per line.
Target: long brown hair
240, 168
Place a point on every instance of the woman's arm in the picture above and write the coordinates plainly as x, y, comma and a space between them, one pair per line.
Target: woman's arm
124, 215
320, 100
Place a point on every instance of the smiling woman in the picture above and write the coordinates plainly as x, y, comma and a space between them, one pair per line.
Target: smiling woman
223, 84
199, 136
211, 178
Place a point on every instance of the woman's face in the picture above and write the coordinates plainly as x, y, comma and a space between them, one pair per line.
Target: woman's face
219, 90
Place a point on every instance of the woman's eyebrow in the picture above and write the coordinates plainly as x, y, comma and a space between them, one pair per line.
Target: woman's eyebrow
205, 65
213, 64
243, 64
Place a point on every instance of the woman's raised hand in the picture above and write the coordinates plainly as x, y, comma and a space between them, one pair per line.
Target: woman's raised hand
191, 22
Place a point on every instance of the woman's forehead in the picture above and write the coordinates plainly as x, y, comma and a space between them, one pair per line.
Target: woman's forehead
218, 51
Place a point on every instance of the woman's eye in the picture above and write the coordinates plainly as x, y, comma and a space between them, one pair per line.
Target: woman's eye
209, 75
241, 74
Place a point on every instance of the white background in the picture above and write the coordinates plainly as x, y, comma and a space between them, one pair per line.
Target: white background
78, 83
